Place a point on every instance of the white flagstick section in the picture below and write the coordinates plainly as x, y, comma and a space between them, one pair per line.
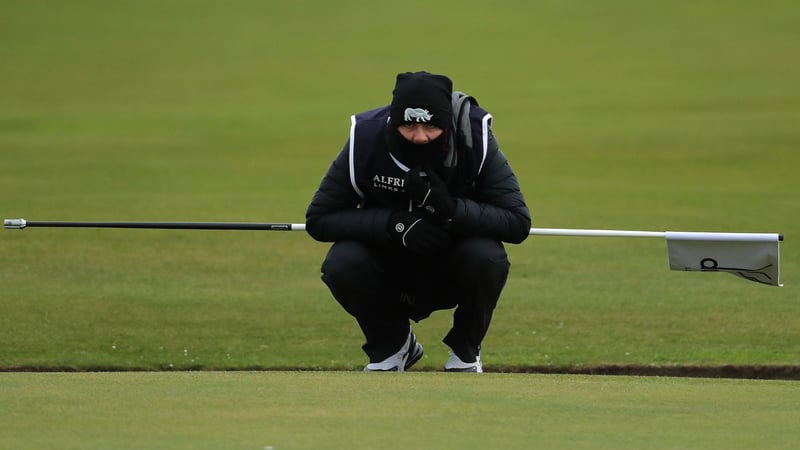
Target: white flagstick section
752, 256
704, 236
594, 233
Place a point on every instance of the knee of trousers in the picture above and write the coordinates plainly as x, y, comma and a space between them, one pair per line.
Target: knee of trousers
478, 257
347, 262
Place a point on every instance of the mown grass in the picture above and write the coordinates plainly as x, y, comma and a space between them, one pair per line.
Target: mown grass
300, 410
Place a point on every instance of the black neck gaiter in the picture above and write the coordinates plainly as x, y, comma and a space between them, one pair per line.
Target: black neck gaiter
412, 155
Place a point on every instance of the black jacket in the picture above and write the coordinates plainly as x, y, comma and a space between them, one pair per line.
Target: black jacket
364, 185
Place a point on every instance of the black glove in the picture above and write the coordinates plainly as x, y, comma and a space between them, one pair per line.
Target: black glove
419, 235
429, 194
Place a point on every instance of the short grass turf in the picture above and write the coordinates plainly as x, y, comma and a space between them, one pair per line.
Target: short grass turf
305, 410
618, 115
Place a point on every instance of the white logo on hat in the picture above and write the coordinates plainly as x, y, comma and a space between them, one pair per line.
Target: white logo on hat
417, 115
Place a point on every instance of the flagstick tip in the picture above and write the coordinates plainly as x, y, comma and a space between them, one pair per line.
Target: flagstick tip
14, 224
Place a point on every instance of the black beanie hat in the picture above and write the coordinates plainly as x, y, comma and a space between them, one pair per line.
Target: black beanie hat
422, 97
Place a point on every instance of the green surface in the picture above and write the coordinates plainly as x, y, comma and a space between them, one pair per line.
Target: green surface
294, 410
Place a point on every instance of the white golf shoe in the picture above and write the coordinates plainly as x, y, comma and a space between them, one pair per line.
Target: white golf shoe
408, 354
455, 364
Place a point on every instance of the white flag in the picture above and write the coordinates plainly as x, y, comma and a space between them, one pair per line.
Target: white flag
754, 256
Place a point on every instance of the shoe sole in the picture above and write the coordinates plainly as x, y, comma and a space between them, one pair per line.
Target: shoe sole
464, 370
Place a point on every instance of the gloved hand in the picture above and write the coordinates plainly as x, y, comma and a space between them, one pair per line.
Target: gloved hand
429, 194
419, 235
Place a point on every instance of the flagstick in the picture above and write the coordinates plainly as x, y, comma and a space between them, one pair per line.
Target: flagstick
702, 255
22, 223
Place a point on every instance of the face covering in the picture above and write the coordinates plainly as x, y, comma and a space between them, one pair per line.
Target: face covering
431, 154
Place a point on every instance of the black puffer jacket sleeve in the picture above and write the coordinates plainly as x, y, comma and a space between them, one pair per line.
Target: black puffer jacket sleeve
334, 215
497, 208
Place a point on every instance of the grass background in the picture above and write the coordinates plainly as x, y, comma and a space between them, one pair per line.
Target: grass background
617, 114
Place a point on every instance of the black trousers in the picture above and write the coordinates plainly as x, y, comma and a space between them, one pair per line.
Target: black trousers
384, 287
